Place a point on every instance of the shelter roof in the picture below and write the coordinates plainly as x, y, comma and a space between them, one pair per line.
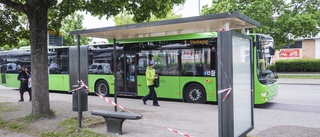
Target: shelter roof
198, 24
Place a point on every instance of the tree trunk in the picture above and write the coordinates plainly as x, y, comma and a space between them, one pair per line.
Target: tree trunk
37, 12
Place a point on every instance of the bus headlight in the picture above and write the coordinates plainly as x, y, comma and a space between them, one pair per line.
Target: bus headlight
264, 94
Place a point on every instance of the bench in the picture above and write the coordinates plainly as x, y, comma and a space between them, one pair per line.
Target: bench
115, 119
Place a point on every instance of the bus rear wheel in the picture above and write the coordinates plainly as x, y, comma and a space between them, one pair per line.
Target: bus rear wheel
194, 93
102, 88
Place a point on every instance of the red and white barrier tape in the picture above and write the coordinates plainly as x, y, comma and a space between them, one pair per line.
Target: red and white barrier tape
224, 90
230, 88
82, 85
175, 131
225, 74
76, 89
224, 71
113, 103
125, 109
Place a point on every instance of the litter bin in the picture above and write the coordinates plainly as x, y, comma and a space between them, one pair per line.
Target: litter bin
83, 99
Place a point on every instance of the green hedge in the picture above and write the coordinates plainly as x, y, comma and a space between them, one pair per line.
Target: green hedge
296, 65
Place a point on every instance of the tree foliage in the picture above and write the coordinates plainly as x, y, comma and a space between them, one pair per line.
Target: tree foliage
60, 9
126, 18
46, 15
12, 27
70, 23
283, 21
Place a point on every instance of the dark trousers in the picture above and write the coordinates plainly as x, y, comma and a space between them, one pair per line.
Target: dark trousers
24, 87
152, 95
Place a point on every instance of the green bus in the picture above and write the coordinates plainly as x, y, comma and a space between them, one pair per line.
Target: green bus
185, 63
12, 61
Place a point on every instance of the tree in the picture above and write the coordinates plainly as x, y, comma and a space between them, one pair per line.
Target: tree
283, 21
48, 14
126, 18
73, 22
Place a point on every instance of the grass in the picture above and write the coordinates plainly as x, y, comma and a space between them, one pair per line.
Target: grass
4, 107
9, 125
300, 76
69, 126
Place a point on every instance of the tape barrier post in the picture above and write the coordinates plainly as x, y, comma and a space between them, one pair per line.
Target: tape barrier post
79, 99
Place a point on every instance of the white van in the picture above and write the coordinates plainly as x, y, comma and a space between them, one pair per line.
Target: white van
99, 68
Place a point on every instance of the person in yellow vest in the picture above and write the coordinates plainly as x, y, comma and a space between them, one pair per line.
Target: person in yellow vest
151, 76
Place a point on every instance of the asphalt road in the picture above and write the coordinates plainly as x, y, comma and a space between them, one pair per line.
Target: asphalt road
295, 97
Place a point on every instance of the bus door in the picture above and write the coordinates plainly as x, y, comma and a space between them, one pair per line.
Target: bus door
2, 71
126, 74
3, 75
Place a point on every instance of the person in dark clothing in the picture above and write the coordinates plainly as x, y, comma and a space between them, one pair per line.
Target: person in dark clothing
23, 78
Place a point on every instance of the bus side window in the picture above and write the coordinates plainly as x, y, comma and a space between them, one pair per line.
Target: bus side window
209, 62
171, 64
187, 61
142, 63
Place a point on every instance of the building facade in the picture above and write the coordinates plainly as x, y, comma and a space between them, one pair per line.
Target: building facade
303, 48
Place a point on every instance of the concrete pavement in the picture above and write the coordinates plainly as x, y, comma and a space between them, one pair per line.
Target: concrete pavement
195, 119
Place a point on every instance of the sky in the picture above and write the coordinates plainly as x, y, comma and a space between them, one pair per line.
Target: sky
190, 8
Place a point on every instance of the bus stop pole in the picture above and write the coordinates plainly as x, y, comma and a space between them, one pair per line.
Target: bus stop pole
79, 98
115, 72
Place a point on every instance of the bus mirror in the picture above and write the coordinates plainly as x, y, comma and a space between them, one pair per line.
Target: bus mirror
271, 51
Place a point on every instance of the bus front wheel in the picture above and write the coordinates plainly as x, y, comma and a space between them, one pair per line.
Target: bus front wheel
102, 88
194, 93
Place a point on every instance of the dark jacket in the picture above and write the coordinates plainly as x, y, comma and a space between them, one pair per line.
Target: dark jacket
23, 75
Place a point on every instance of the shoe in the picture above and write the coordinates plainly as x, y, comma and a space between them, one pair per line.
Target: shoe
144, 102
157, 105
30, 100
21, 100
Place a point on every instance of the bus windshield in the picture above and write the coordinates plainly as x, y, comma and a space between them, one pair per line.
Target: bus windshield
265, 53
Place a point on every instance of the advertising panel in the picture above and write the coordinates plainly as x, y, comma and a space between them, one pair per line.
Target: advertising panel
289, 53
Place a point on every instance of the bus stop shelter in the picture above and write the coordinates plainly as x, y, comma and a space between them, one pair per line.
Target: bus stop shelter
227, 39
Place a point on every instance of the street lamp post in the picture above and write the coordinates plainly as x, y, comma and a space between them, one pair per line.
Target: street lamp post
199, 7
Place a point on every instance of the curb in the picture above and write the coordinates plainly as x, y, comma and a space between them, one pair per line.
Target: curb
315, 84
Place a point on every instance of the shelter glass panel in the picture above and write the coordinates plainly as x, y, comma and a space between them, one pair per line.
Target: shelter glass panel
241, 85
